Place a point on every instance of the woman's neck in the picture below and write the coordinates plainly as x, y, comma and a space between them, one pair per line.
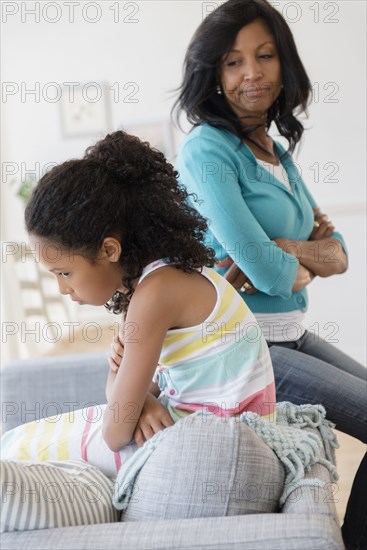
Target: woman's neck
260, 137
262, 147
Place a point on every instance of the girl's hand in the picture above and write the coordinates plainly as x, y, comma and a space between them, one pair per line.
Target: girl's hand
154, 418
117, 353
323, 228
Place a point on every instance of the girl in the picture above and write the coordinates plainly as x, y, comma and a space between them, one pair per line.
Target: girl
115, 228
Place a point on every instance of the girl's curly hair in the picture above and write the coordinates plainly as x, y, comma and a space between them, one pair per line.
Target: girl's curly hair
123, 188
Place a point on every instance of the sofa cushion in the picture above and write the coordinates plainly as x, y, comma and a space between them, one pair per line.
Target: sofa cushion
207, 466
69, 436
54, 494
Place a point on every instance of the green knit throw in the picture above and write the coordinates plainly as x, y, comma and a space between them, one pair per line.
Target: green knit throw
297, 448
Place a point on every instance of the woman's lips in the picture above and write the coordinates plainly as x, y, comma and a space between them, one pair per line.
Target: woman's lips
255, 92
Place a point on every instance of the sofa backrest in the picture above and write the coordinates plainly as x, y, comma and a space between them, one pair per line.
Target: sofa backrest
48, 386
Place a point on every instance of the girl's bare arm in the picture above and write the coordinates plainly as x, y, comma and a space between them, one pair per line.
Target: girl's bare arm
115, 361
152, 313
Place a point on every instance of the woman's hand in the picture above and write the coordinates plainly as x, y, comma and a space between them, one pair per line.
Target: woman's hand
323, 227
154, 418
236, 277
304, 277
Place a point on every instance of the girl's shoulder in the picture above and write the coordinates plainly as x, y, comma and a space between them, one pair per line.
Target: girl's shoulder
186, 297
159, 278
156, 266
155, 298
162, 277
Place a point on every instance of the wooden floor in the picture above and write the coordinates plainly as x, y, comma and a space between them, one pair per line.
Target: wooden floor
348, 456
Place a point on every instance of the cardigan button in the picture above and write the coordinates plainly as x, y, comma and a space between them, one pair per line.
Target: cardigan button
300, 300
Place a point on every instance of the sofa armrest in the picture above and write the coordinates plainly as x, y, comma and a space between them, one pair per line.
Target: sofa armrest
47, 386
255, 532
315, 499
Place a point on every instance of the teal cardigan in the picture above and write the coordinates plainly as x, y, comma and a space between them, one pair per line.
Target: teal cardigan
247, 207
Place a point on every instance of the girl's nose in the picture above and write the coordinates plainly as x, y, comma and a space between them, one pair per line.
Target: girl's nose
64, 289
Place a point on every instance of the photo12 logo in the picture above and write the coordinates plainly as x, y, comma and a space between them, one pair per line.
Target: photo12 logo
70, 12
292, 12
69, 92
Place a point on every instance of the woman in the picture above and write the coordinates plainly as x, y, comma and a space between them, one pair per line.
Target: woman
243, 72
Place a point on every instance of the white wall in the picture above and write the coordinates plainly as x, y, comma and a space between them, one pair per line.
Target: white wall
149, 53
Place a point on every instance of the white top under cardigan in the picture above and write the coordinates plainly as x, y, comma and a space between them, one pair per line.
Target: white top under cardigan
283, 326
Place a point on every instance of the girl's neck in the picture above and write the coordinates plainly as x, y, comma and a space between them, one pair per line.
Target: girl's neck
147, 262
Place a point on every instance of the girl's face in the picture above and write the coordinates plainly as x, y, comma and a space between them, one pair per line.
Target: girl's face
251, 73
85, 282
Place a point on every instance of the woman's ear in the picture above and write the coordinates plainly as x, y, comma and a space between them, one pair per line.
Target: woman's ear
111, 249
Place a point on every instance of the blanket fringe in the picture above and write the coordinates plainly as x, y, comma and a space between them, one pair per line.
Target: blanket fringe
297, 448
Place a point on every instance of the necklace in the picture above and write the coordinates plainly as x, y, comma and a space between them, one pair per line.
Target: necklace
271, 157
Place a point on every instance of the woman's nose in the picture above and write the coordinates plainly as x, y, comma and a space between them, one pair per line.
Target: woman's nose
252, 70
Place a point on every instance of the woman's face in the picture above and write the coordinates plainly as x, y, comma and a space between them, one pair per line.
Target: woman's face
251, 73
86, 283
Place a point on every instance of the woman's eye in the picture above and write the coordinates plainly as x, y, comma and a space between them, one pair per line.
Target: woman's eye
64, 274
232, 63
266, 56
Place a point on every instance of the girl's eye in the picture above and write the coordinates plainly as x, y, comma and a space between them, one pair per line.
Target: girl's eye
266, 56
64, 275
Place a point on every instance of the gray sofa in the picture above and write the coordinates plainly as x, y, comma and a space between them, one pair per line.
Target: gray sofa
308, 520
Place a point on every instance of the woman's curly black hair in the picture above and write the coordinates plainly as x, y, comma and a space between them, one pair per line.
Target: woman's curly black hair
212, 41
123, 188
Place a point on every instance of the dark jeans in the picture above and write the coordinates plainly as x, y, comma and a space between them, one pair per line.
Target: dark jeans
311, 370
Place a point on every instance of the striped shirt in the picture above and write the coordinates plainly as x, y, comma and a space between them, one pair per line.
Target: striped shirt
222, 364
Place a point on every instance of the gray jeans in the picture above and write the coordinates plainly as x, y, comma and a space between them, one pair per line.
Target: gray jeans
310, 370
